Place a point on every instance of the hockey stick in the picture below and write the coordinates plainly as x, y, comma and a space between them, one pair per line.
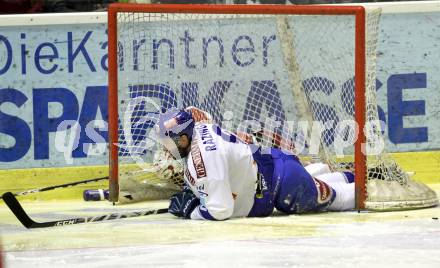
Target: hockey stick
65, 185
22, 216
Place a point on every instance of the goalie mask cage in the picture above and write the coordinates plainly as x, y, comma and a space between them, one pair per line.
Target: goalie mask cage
262, 69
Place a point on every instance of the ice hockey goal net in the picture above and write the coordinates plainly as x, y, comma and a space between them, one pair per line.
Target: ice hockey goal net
300, 78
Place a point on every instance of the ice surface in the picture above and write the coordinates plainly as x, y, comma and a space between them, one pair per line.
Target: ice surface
338, 239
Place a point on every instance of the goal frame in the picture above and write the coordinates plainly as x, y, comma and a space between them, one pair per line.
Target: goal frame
359, 13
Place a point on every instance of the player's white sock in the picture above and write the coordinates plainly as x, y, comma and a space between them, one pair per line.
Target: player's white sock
346, 177
344, 196
316, 169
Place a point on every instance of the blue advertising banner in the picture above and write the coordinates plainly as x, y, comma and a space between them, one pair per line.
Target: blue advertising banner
57, 72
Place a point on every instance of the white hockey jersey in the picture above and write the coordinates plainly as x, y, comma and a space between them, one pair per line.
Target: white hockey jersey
221, 172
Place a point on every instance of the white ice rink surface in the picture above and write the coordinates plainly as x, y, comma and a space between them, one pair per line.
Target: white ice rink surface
344, 239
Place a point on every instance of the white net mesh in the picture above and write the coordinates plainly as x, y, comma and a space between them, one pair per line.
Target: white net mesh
288, 80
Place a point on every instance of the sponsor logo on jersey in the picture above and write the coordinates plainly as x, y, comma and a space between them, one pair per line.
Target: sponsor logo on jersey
325, 193
189, 178
197, 159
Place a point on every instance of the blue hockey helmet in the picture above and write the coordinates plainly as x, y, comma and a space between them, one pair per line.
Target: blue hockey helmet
173, 124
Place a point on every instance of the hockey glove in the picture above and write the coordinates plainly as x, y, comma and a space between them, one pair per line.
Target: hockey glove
183, 203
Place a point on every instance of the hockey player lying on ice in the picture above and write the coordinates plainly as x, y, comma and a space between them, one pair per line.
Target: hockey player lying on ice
227, 178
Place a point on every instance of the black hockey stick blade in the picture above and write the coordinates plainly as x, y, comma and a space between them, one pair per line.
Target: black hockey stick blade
22, 216
17, 209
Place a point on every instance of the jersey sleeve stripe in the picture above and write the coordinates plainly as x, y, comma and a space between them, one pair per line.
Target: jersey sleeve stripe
205, 214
